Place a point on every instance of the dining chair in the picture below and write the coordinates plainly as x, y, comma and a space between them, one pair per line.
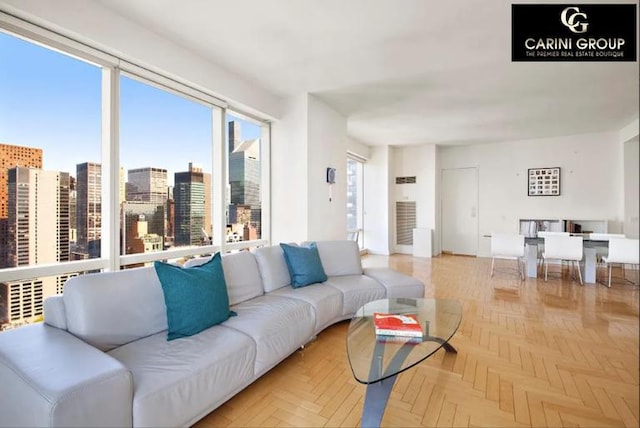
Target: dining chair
601, 251
543, 234
623, 251
508, 246
562, 248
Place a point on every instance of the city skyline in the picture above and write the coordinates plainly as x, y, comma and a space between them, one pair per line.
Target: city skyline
52, 102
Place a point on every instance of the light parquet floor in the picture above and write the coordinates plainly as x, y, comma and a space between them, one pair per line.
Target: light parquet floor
530, 354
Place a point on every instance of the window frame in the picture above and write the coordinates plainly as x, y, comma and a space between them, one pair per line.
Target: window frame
360, 198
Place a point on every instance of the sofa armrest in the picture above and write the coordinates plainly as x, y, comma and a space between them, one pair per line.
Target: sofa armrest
52, 378
54, 313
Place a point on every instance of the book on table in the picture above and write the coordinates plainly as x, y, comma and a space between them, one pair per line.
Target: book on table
397, 325
400, 340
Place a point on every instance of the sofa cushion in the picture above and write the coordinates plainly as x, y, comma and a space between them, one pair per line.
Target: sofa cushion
178, 382
304, 264
356, 290
273, 267
196, 297
340, 257
326, 302
109, 309
240, 273
396, 283
277, 325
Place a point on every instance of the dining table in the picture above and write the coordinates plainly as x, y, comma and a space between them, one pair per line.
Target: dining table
588, 265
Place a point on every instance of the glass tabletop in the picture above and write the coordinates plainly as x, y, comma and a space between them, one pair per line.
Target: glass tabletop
374, 358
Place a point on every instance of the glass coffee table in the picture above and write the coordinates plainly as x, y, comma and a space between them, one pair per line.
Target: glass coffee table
377, 360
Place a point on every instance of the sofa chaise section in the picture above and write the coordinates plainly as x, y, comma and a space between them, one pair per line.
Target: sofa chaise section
51, 377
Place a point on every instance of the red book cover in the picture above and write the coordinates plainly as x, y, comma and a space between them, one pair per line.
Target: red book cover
397, 324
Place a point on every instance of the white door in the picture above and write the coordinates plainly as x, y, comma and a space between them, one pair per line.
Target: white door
460, 211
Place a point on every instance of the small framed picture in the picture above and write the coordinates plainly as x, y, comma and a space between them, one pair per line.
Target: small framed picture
543, 181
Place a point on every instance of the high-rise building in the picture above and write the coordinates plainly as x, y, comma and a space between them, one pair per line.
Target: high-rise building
147, 185
244, 179
170, 215
38, 217
73, 224
190, 193
235, 134
88, 209
10, 157
132, 212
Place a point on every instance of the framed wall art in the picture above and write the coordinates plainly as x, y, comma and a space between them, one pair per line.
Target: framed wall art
544, 181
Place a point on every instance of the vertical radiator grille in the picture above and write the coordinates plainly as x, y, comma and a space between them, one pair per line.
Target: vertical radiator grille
405, 222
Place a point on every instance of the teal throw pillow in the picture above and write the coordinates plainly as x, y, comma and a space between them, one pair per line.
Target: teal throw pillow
304, 264
196, 297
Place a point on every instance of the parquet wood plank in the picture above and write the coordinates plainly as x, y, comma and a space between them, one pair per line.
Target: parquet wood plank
629, 419
506, 395
631, 402
345, 406
493, 386
604, 402
447, 414
413, 390
480, 379
436, 400
571, 413
420, 406
521, 405
537, 415
552, 417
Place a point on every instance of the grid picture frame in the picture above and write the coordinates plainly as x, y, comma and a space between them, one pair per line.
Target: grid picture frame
543, 181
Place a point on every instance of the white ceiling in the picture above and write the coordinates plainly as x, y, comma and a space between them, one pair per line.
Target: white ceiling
402, 71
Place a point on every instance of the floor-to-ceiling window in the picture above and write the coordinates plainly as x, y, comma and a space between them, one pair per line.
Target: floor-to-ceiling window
165, 169
107, 165
355, 193
50, 152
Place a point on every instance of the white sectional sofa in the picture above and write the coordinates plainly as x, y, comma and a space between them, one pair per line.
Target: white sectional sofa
101, 358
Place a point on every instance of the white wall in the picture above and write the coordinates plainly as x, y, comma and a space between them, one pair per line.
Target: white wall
629, 136
289, 177
310, 137
631, 188
327, 147
357, 148
416, 161
377, 218
91, 23
591, 168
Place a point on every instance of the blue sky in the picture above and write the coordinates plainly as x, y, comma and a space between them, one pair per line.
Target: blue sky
52, 101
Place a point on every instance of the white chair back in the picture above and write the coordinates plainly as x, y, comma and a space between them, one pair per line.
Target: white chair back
604, 236
563, 247
507, 245
623, 250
